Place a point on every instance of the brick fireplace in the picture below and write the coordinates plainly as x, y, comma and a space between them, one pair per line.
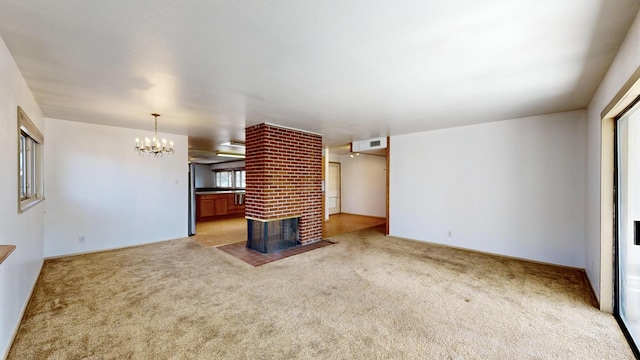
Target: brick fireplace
284, 179
272, 235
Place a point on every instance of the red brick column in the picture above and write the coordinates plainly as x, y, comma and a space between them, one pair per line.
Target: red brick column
284, 177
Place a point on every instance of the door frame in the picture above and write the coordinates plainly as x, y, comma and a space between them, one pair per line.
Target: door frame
339, 186
627, 93
609, 288
616, 231
386, 230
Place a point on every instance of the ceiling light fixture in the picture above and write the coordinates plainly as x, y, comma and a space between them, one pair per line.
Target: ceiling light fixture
230, 155
154, 147
357, 154
234, 143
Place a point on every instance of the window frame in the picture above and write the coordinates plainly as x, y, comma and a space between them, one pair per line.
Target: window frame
240, 178
29, 157
233, 174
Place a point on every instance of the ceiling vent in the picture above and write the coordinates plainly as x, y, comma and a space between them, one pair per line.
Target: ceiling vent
371, 144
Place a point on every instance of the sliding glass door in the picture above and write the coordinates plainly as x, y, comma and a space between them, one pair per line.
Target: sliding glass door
627, 297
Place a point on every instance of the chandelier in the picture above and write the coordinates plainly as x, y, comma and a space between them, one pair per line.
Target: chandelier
154, 147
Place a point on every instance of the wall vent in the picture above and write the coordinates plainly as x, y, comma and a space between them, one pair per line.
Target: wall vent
371, 144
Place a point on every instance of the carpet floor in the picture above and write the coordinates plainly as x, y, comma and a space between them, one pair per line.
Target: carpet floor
366, 297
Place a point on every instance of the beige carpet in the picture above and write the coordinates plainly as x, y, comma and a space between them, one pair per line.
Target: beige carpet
366, 297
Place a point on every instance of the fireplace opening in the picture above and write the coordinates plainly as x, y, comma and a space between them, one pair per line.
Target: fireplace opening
267, 236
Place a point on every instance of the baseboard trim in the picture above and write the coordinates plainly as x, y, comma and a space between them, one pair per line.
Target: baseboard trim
492, 254
111, 249
14, 333
593, 291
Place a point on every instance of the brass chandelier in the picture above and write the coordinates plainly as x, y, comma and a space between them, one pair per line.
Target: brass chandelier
154, 147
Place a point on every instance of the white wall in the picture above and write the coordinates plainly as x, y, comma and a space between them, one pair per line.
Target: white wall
512, 187
20, 271
364, 185
99, 188
203, 176
626, 62
335, 158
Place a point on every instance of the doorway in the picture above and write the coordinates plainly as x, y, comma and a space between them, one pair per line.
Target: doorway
627, 242
333, 188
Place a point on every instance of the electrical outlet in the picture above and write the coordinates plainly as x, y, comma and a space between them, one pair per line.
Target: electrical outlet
81, 239
449, 234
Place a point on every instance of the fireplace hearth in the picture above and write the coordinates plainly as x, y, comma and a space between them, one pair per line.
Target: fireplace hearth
267, 236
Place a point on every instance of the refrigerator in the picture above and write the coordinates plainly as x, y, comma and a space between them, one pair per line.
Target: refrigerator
192, 200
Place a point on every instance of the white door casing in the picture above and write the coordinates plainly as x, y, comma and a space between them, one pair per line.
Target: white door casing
333, 188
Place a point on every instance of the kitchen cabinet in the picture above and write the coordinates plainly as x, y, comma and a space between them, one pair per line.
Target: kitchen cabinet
221, 206
207, 207
235, 203
212, 205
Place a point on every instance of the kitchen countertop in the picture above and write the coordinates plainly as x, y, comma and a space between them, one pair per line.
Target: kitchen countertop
211, 192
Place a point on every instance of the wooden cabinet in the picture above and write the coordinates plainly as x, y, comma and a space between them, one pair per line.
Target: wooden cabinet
212, 205
236, 203
207, 207
221, 206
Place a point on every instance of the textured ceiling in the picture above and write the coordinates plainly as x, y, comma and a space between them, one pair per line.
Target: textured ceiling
350, 70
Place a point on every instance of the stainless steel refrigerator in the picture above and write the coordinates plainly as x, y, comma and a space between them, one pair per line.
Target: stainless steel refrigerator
192, 200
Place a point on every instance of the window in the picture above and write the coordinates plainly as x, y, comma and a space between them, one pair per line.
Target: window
240, 179
230, 178
224, 179
30, 141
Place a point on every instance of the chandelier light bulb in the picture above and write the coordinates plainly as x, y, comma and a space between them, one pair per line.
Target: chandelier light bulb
154, 147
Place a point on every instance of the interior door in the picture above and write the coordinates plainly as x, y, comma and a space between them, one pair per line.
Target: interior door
627, 297
333, 188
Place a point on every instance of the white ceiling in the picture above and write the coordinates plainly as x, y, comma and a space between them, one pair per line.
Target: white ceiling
350, 70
